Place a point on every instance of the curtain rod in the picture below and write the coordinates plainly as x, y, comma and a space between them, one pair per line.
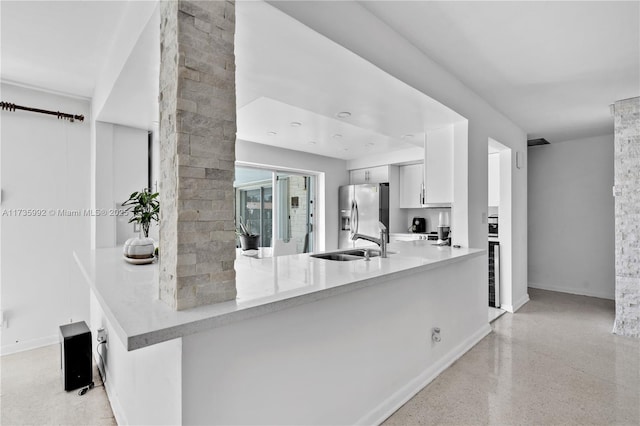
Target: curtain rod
6, 106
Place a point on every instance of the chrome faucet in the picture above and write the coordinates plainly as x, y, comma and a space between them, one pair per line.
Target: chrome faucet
382, 241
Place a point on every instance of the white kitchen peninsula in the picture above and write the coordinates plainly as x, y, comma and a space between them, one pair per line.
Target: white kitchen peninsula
307, 341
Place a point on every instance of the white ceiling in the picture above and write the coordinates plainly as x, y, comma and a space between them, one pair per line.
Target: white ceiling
288, 73
552, 67
279, 124
60, 46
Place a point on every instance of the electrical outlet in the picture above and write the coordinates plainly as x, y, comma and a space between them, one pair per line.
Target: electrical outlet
102, 335
435, 335
617, 191
4, 318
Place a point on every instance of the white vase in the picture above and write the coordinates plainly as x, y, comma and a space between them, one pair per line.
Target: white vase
139, 248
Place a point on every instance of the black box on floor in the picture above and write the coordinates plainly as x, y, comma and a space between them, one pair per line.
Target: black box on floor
75, 355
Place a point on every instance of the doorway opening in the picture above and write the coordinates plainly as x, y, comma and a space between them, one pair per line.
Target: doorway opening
499, 212
277, 205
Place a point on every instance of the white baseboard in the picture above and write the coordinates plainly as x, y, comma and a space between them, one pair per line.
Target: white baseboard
118, 412
574, 290
29, 344
116, 407
408, 391
519, 304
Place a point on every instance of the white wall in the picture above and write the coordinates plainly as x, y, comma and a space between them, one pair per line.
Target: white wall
44, 165
123, 91
154, 230
130, 172
409, 155
144, 386
571, 217
350, 359
334, 174
104, 228
494, 180
121, 168
395, 55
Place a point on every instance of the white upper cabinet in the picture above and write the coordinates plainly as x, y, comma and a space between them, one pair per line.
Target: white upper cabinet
438, 170
377, 174
494, 180
411, 181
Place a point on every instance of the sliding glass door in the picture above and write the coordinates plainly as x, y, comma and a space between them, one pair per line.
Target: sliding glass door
256, 212
295, 210
254, 202
279, 206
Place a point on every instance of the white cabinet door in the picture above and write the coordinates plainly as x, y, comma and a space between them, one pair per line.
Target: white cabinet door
438, 179
370, 175
379, 174
494, 180
411, 180
358, 176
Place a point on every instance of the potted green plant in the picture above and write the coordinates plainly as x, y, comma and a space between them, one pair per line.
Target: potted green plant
144, 208
248, 240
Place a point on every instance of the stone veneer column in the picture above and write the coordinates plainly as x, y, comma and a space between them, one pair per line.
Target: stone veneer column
197, 152
627, 208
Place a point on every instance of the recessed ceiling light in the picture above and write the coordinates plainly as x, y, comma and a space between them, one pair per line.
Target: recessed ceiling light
313, 142
295, 124
336, 136
407, 136
272, 133
343, 114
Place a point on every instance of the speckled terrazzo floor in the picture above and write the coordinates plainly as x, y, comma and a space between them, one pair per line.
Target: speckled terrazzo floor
555, 362
31, 393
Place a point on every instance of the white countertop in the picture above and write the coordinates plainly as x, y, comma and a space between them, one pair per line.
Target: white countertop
128, 293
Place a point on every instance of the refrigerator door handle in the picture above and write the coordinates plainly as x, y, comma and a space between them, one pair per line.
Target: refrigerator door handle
354, 219
352, 222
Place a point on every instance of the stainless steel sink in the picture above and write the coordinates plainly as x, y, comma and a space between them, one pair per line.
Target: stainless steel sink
361, 252
347, 255
336, 256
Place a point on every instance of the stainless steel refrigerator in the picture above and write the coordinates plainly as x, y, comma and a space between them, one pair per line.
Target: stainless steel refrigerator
361, 208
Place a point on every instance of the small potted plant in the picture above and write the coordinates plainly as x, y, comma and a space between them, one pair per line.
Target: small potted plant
144, 208
248, 240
